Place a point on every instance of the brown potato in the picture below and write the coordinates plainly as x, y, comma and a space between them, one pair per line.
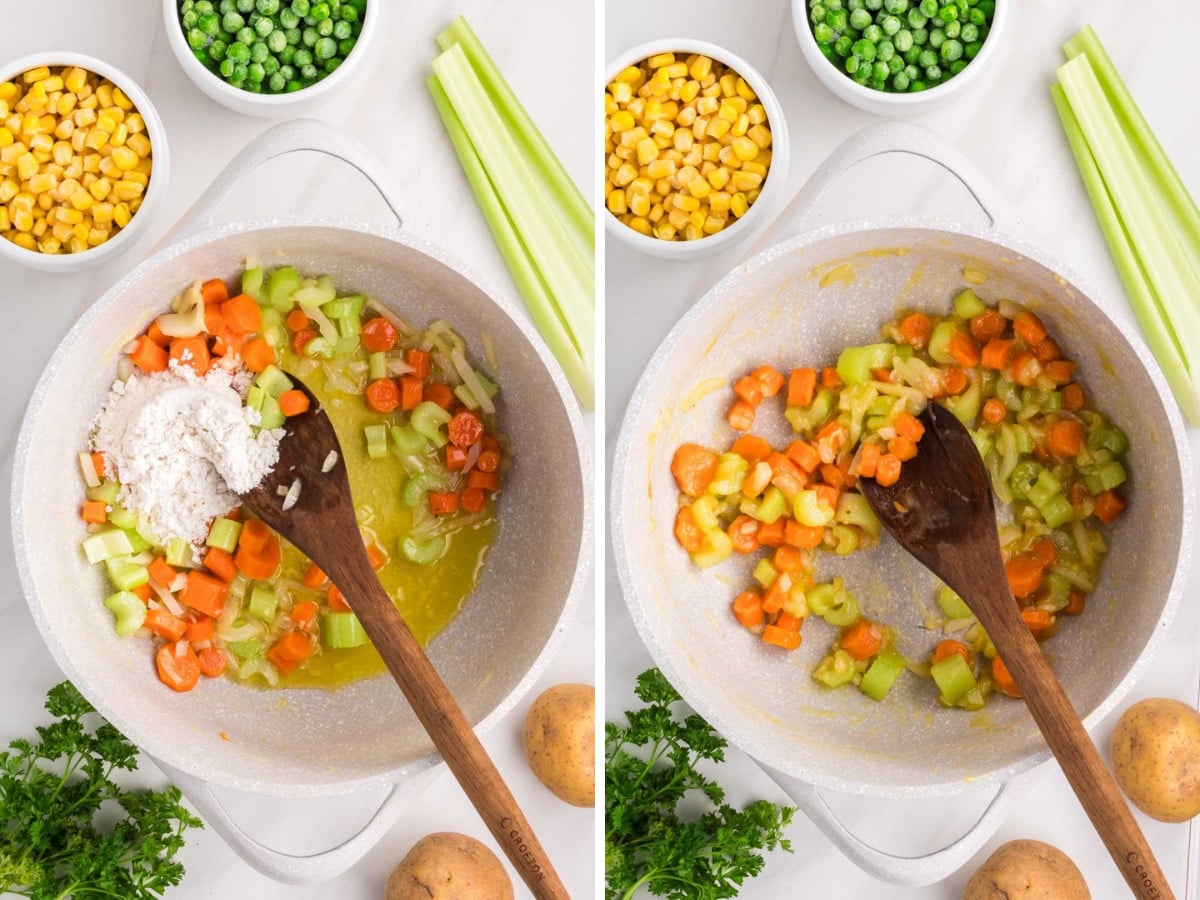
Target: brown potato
1155, 752
449, 866
1027, 870
560, 742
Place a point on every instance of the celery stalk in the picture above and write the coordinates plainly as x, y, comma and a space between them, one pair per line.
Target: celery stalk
562, 189
538, 297
1149, 255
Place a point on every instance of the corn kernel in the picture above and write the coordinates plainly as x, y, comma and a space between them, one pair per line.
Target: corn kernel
717, 127
121, 101
81, 200
136, 123
621, 120
741, 126
127, 159
100, 188
106, 165
122, 214
665, 232
137, 178
660, 168
700, 68
718, 202
68, 215
760, 135
107, 120
686, 203
35, 75
22, 220
5, 222
50, 245
6, 137
26, 166
625, 175
640, 224
615, 202
738, 205
42, 183
639, 204
744, 148
755, 168
718, 178
699, 188
676, 70
757, 114
84, 117
75, 79
102, 213
745, 181
104, 94
40, 227
8, 190
41, 144
659, 60
28, 241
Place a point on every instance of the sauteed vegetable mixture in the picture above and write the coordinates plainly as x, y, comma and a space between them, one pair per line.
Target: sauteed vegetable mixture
1055, 464
417, 424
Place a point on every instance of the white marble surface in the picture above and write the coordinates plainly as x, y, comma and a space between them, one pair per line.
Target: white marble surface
545, 49
1009, 128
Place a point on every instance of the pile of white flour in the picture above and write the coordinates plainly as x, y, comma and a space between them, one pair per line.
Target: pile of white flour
183, 447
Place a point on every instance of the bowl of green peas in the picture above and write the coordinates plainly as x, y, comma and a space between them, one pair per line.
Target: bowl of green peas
899, 57
270, 57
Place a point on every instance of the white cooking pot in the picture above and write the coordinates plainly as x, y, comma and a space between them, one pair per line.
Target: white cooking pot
363, 735
798, 303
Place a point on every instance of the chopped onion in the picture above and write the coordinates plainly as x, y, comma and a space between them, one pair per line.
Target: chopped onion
304, 367
167, 598
293, 494
399, 324
246, 632
331, 461
178, 583
473, 455
203, 645
327, 328
131, 347
397, 366
181, 649
125, 368
1009, 309
471, 380
90, 476
339, 380
281, 491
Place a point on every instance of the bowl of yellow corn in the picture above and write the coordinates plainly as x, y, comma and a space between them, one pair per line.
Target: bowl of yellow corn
695, 148
83, 161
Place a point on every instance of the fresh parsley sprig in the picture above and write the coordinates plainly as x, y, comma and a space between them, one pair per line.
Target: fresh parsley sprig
52, 847
650, 767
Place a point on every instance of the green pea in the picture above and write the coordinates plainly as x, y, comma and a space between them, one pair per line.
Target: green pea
331, 65
286, 55
885, 51
855, 4
968, 33
865, 49
301, 7
187, 6
238, 52
210, 24
203, 57
326, 48
344, 47
286, 70
197, 39
246, 35
271, 65
972, 49
204, 6
293, 37
912, 72
833, 4
302, 58
977, 17
836, 19
253, 87
239, 75
895, 64
937, 37
259, 51
952, 29
226, 6
874, 5
321, 11
911, 55
890, 25
903, 40
852, 64
952, 50
276, 83
265, 27
916, 87
895, 7
879, 72
957, 66
948, 13
310, 37
929, 8
927, 58
217, 49
343, 30
842, 45
293, 86
920, 36
190, 19
860, 19
276, 41
245, 6
349, 14
232, 22
309, 72
325, 27
933, 73
823, 33
916, 18
226, 68
873, 33
267, 7
900, 81
817, 13
255, 73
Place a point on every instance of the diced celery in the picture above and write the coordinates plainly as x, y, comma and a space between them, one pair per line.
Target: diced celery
704, 510
274, 381
136, 541
731, 472
315, 293
377, 441
878, 680
122, 518
224, 534
853, 509
854, 365
806, 419
967, 305
795, 602
252, 283
1009, 394
1058, 593
272, 318
717, 548
836, 669
319, 347
129, 611
377, 366
271, 416
1108, 437
954, 678
245, 650
125, 574
983, 442
349, 326
1045, 487
341, 631
1079, 577
281, 284
408, 441
1057, 511
965, 406
256, 397
345, 306
809, 510
845, 611
939, 342
1105, 478
1023, 477
953, 606
428, 419
346, 346
263, 602
467, 396
765, 572
106, 544
105, 492
423, 553
845, 540
772, 505
1023, 438
179, 553
417, 486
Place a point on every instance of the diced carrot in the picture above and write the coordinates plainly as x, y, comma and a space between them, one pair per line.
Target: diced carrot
1024, 575
1039, 621
1025, 369
994, 411
165, 625
867, 460
465, 429
143, 592
201, 629
749, 389
862, 640
747, 608
226, 343
693, 467
301, 338
945, 649
1045, 551
412, 390
788, 559
297, 320
440, 394
261, 565
456, 458
314, 576
149, 356
964, 350
1065, 438
830, 378
770, 379
1003, 679
487, 481
954, 381
1048, 350
1109, 505
743, 532
803, 536
756, 479
833, 435
771, 535
419, 360
161, 572
214, 291
1075, 603
257, 354
489, 460
802, 384
382, 395
996, 354
178, 667
289, 651
902, 448
94, 512
786, 475
235, 514
780, 637
254, 535
750, 448
804, 455
909, 426
988, 326
191, 352
1029, 328
378, 335
214, 320
242, 314
687, 532
1072, 398
473, 499
788, 622
98, 463
443, 503
916, 327
832, 475
292, 403
155, 333
887, 470
741, 416
1060, 371
304, 614
884, 375
206, 594
337, 600
220, 563
827, 495
212, 662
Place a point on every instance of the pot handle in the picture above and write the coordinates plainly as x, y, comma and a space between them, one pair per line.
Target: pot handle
915, 871
876, 140
286, 137
307, 868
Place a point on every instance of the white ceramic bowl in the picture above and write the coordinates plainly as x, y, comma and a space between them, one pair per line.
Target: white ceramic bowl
776, 178
887, 104
268, 105
155, 191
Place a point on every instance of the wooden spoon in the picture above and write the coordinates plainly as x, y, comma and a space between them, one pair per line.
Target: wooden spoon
323, 526
941, 512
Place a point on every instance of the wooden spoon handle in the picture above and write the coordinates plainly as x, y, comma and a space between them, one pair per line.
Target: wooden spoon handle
452, 734
1081, 762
